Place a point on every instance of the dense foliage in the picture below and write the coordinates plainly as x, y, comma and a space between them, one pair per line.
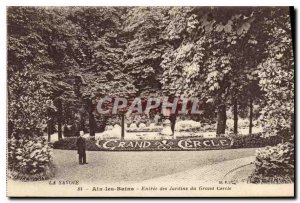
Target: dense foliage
274, 164
30, 158
78, 54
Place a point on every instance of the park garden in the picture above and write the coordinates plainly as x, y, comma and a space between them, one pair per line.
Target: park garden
237, 61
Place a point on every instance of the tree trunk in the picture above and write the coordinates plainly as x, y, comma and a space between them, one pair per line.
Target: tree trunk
293, 124
235, 116
10, 129
59, 119
49, 125
251, 117
221, 119
91, 118
77, 84
82, 125
49, 129
122, 126
173, 121
92, 124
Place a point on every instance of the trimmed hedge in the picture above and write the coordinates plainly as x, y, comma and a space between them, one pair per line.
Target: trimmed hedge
70, 144
254, 140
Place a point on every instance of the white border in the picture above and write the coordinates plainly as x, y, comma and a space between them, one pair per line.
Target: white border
150, 3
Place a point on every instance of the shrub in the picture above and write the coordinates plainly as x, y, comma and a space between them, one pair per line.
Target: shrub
70, 144
30, 158
274, 164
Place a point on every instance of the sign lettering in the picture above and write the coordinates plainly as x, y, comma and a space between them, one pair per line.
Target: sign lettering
164, 145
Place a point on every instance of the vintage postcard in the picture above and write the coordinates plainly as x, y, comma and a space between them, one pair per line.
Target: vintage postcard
150, 101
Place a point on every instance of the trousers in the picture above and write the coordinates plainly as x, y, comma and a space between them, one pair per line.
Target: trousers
82, 158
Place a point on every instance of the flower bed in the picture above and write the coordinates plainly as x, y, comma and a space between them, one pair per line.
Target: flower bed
236, 141
147, 145
137, 130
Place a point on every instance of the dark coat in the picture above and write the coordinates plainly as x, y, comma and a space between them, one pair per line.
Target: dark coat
80, 145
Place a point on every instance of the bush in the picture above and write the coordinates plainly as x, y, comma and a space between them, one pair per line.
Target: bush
30, 158
70, 144
274, 164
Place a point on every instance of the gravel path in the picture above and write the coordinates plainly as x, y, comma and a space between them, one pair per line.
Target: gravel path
137, 169
114, 167
225, 170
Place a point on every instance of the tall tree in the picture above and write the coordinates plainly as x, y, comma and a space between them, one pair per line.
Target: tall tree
99, 53
145, 46
276, 73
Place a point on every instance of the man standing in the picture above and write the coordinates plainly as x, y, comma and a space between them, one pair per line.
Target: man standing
81, 148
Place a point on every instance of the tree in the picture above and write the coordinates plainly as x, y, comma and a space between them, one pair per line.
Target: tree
276, 73
27, 101
218, 55
203, 62
27, 105
145, 46
99, 53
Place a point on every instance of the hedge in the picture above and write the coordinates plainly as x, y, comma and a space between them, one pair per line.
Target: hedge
70, 144
254, 140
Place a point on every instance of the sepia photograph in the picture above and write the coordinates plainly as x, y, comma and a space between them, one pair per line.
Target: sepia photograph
150, 101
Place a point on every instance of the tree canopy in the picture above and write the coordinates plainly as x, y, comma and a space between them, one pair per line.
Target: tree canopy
224, 56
